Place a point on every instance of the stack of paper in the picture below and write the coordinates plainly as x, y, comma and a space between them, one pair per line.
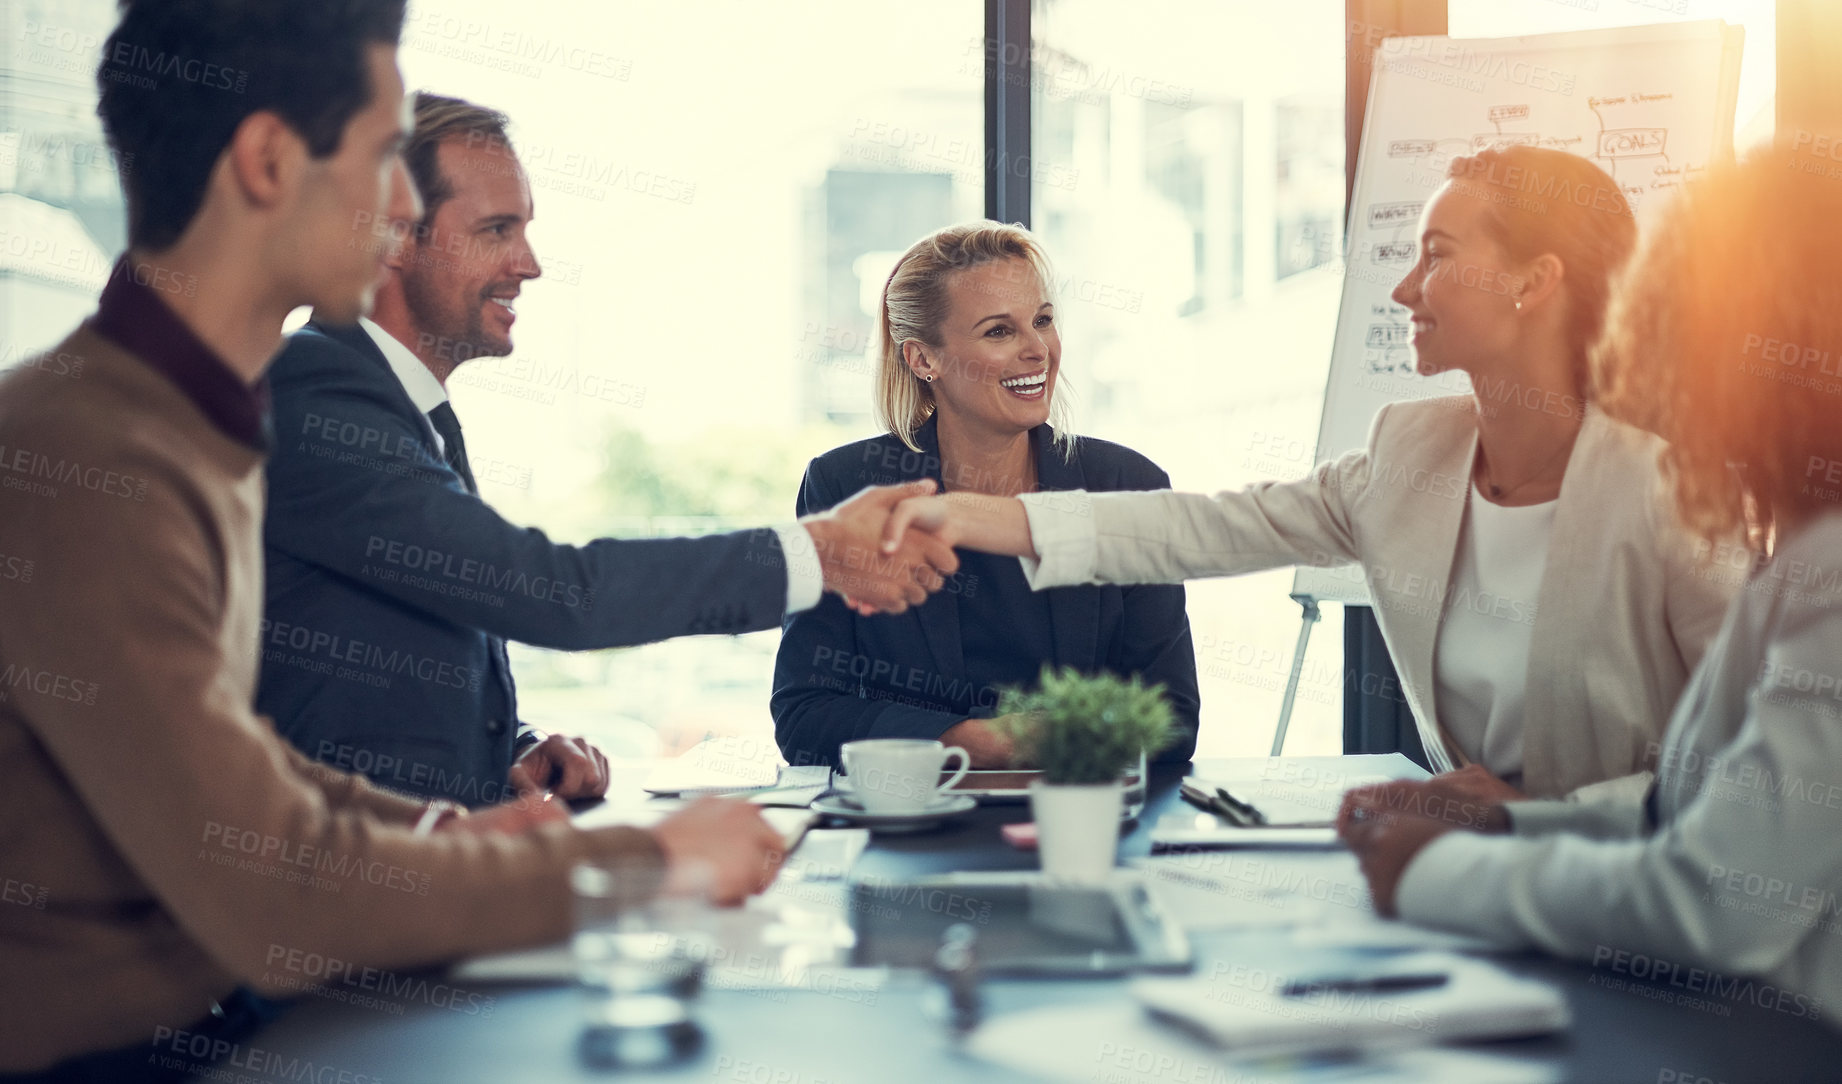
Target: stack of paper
1115, 1041
1247, 1009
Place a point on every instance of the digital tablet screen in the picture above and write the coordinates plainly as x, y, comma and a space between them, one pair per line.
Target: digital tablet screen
1018, 926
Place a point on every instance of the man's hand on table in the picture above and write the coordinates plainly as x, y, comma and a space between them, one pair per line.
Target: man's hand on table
566, 767
849, 542
727, 841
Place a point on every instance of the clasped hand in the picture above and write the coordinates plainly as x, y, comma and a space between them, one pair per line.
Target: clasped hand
873, 577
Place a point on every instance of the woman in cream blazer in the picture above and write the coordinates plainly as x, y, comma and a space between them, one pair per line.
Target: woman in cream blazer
1540, 600
1623, 614
1724, 878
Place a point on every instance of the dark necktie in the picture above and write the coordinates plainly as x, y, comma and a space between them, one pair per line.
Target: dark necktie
453, 448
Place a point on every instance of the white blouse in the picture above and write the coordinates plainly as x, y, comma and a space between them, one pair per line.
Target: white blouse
1481, 658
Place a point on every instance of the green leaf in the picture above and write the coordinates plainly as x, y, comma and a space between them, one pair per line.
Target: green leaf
1080, 728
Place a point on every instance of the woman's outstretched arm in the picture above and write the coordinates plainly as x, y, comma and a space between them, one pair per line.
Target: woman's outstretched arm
973, 520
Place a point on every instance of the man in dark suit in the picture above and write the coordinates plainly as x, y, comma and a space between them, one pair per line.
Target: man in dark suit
392, 587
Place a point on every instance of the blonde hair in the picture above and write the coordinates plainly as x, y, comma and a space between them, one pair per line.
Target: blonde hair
914, 305
1723, 339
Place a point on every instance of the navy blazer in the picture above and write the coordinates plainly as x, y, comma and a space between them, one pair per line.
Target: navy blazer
823, 698
392, 590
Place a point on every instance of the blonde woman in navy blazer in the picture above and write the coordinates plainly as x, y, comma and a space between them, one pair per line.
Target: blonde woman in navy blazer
966, 389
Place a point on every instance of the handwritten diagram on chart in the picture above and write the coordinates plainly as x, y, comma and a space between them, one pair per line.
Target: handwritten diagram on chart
1651, 106
1629, 141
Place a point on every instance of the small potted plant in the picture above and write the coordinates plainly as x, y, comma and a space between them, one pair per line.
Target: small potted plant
1083, 731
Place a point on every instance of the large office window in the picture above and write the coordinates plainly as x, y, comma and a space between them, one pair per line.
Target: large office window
721, 190
1189, 186
61, 217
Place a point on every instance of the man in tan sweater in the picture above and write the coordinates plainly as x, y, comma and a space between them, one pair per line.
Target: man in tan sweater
158, 842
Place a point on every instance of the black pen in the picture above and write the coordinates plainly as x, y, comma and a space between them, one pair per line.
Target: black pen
1422, 980
1246, 810
1209, 803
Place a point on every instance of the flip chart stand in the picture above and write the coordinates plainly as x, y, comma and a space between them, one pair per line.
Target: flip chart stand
1310, 618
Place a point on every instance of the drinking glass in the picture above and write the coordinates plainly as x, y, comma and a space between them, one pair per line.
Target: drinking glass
642, 941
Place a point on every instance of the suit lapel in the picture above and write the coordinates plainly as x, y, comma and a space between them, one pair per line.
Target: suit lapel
1424, 579
940, 620
1074, 615
1560, 578
354, 337
358, 339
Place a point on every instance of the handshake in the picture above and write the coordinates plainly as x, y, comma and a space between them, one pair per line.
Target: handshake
881, 561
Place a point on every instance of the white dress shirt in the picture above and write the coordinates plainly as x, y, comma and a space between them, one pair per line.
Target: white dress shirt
418, 383
805, 577
1481, 659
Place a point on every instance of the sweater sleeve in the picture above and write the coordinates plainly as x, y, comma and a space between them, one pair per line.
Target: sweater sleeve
344, 790
204, 802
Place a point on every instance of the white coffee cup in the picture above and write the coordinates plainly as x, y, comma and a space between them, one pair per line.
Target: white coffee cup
899, 775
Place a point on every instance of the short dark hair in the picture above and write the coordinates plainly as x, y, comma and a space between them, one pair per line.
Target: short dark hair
178, 76
439, 119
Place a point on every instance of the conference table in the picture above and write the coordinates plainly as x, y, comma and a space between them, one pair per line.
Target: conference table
840, 1033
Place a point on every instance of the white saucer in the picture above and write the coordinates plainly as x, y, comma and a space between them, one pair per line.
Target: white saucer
845, 807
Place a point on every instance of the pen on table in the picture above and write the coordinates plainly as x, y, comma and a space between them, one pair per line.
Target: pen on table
1210, 803
1246, 808
1422, 980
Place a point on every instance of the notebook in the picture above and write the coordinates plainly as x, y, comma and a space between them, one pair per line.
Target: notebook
1242, 1009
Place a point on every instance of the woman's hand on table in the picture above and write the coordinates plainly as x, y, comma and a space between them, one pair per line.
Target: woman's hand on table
1384, 844
1474, 783
1387, 825
1456, 806
984, 743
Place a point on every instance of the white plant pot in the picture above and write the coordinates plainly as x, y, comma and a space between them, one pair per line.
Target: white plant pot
1077, 829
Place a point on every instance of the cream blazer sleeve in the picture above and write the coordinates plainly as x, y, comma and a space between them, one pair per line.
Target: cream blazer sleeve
1168, 537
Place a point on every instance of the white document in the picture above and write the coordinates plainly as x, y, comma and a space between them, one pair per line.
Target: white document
1291, 792
1245, 1010
1227, 889
1117, 1042
790, 823
1204, 830
717, 766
